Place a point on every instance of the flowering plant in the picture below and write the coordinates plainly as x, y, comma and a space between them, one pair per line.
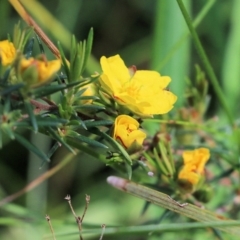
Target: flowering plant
155, 128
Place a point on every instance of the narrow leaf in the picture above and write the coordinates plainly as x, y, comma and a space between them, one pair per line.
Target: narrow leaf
59, 139
88, 48
124, 153
64, 61
46, 91
10, 89
31, 115
31, 147
98, 123
90, 141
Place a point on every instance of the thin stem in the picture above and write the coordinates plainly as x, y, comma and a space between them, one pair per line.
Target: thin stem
164, 201
77, 218
206, 63
50, 225
86, 207
103, 230
42, 107
28, 19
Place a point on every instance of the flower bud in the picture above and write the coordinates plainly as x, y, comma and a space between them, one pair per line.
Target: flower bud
192, 171
7, 52
37, 72
127, 132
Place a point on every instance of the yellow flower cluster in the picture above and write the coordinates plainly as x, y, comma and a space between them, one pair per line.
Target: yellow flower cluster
194, 163
38, 71
142, 92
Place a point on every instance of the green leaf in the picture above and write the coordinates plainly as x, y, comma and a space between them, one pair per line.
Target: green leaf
75, 61
53, 149
51, 122
31, 115
82, 49
99, 123
128, 160
88, 48
64, 61
7, 129
89, 106
7, 105
129, 170
72, 51
56, 136
84, 139
29, 48
1, 138
48, 90
10, 89
31, 147
81, 98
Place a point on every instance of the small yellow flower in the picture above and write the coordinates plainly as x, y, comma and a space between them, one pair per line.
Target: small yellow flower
7, 52
142, 92
39, 71
90, 91
194, 163
127, 132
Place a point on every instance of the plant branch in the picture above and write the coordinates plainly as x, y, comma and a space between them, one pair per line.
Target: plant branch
28, 19
212, 76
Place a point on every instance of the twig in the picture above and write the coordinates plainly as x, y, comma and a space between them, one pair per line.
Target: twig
50, 225
43, 107
86, 207
103, 230
28, 19
78, 219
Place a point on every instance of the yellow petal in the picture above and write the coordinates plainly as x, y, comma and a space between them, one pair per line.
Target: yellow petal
45, 70
142, 92
7, 52
194, 163
126, 130
115, 72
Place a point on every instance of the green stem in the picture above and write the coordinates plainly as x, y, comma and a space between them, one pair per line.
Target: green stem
206, 63
165, 201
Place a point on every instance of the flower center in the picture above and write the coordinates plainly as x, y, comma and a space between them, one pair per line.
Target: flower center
132, 89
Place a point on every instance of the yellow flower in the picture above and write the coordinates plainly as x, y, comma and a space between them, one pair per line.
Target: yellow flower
127, 132
194, 163
38, 71
7, 52
90, 91
142, 92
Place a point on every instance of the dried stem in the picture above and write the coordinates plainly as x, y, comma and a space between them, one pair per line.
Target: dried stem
43, 107
103, 230
28, 19
50, 225
78, 219
86, 207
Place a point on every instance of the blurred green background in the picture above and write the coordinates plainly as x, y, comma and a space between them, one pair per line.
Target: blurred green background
148, 34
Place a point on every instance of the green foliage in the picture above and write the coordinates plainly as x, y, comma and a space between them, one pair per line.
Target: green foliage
195, 53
